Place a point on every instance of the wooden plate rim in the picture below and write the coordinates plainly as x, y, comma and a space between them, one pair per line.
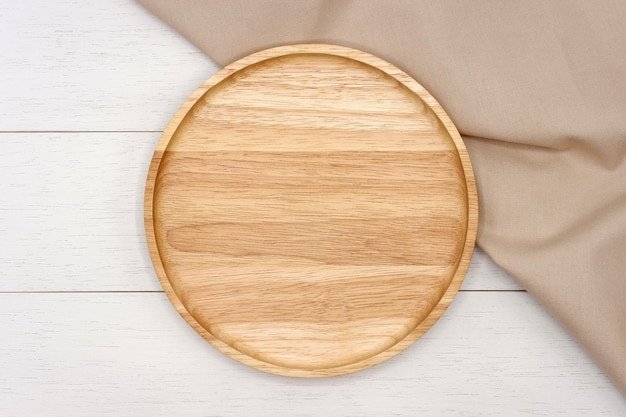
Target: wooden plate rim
411, 84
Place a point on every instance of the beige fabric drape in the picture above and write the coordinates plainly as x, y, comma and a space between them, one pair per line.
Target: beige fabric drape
537, 88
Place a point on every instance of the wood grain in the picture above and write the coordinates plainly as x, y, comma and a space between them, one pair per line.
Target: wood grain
92, 185
311, 210
72, 212
90, 66
78, 66
115, 354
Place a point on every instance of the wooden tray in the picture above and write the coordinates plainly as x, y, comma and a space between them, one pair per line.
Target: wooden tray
311, 210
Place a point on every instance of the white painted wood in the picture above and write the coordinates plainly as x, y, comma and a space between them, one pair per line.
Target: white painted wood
484, 274
72, 212
73, 215
92, 65
71, 220
492, 354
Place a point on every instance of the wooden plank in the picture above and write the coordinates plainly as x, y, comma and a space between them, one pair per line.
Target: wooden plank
92, 65
72, 212
485, 275
492, 354
72, 215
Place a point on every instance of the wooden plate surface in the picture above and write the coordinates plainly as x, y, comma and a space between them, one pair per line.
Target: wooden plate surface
311, 210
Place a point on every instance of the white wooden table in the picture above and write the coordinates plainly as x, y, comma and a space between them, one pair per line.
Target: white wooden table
86, 88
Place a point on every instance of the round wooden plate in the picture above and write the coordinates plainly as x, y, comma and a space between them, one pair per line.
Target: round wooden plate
311, 210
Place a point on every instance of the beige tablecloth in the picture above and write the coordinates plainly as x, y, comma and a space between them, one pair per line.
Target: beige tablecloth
537, 88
